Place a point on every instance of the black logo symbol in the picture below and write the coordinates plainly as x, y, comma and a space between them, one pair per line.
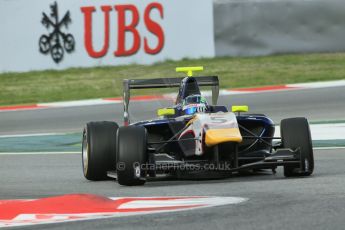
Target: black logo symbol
52, 42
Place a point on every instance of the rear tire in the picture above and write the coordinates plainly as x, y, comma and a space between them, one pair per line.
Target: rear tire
99, 149
295, 133
131, 154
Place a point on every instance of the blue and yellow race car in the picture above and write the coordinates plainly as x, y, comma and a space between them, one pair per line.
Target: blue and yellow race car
193, 136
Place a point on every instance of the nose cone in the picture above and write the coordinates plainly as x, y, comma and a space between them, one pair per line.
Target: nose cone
217, 136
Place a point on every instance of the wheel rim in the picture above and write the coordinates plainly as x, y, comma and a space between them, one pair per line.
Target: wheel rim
306, 165
85, 155
137, 172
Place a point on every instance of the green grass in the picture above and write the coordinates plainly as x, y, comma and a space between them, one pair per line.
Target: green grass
84, 83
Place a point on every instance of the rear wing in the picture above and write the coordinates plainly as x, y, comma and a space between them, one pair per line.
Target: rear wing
129, 84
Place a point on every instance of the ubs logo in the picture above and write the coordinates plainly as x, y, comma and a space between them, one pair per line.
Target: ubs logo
56, 42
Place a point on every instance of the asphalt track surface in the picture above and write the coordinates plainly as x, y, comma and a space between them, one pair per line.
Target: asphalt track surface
315, 104
275, 202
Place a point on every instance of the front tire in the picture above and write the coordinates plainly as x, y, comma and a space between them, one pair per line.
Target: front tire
99, 149
131, 155
295, 133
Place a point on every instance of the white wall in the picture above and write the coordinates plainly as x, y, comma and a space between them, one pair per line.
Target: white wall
187, 26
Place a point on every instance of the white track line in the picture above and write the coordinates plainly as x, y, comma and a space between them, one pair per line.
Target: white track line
78, 103
33, 135
329, 148
37, 153
320, 84
319, 132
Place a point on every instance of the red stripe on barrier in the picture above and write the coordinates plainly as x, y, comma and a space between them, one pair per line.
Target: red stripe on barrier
21, 107
150, 97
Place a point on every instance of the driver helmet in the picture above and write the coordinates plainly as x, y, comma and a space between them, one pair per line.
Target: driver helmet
194, 104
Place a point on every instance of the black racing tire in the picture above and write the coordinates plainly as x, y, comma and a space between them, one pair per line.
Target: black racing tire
295, 133
131, 154
99, 149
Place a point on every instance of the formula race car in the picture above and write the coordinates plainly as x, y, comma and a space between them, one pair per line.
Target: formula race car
193, 136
